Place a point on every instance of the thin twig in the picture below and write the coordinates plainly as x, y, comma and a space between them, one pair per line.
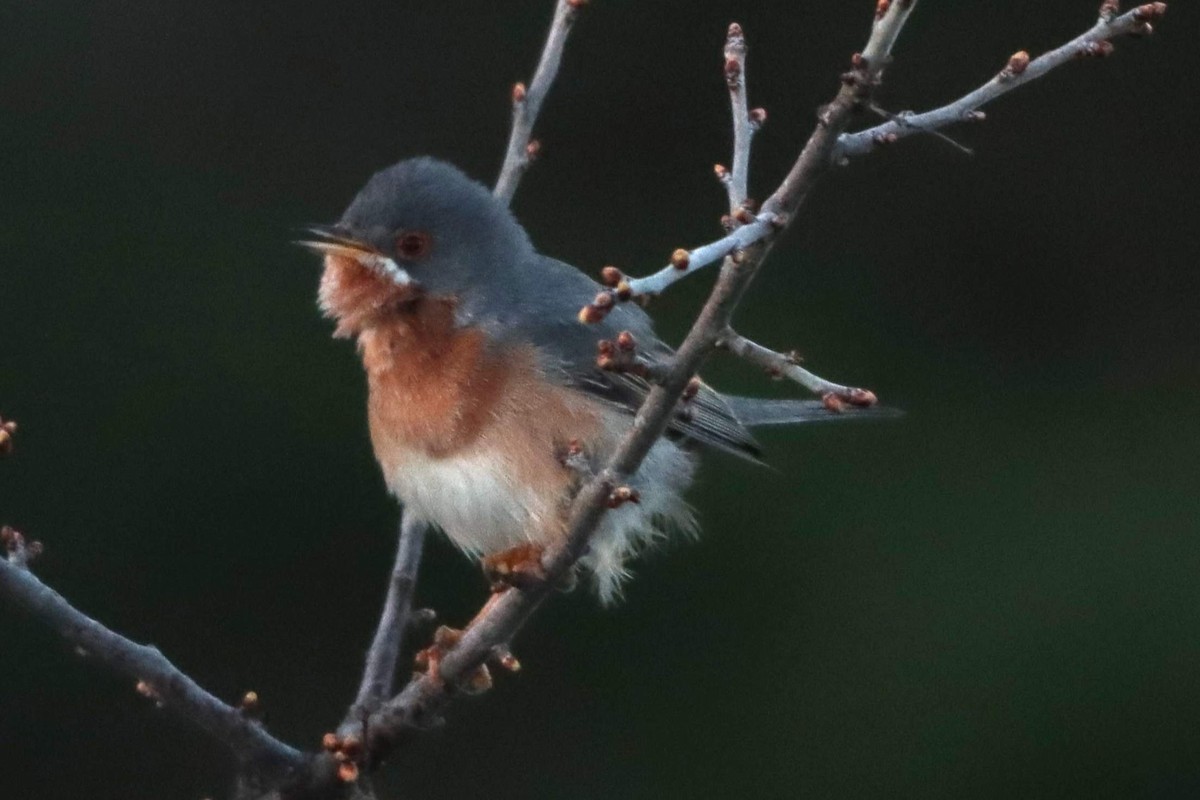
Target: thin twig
1096, 42
379, 671
787, 366
527, 102
738, 180
682, 266
156, 676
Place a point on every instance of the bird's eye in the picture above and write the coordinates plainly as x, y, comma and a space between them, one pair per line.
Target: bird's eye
412, 245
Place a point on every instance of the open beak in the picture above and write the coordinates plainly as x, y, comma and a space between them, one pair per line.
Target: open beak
332, 240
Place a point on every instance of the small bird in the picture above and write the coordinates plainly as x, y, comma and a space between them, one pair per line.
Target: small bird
486, 403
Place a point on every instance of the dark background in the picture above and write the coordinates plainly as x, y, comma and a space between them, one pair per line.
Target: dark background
993, 597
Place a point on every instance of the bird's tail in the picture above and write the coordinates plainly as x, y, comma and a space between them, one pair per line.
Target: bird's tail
754, 411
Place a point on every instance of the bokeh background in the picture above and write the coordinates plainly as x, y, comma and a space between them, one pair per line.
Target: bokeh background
994, 597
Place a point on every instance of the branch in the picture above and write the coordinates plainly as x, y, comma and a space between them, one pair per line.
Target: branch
688, 262
1018, 72
156, 677
787, 366
737, 181
379, 672
527, 103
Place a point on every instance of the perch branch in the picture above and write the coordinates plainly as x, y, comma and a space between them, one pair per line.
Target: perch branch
787, 366
527, 102
1096, 42
157, 677
379, 672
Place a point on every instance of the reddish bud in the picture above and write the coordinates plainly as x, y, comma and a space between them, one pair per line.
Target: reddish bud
1018, 62
744, 216
352, 746
733, 72
1098, 49
611, 277
863, 398
626, 342
330, 742
680, 259
624, 291
518, 93
1150, 12
758, 117
147, 691
735, 31
692, 389
1109, 9
479, 681
577, 4
347, 772
590, 315
622, 495
833, 403
857, 61
721, 172
603, 301
250, 702
533, 149
881, 8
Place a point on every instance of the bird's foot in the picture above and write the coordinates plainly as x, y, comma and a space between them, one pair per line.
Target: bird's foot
519, 566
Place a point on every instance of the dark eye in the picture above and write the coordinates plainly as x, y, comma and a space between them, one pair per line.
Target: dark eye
412, 245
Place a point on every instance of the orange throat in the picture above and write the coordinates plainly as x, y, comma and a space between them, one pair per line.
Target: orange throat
360, 298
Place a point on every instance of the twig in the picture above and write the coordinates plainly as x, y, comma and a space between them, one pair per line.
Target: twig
688, 262
1096, 42
379, 672
156, 676
738, 180
527, 102
787, 366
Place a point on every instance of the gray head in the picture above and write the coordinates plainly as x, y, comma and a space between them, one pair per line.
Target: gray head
423, 221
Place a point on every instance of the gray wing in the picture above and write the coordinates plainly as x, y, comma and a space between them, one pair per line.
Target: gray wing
548, 297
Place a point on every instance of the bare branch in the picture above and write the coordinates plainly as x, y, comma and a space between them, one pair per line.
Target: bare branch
156, 677
788, 366
1096, 42
688, 262
738, 179
527, 102
379, 672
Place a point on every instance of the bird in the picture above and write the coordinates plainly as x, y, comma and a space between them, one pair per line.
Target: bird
486, 403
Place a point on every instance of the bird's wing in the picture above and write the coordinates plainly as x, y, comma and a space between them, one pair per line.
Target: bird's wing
544, 311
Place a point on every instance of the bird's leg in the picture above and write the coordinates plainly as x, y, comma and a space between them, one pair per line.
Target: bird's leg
519, 567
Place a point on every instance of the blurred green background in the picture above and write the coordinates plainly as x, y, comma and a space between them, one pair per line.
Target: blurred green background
994, 597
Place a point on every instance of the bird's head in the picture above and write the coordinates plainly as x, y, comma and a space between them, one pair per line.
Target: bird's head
418, 228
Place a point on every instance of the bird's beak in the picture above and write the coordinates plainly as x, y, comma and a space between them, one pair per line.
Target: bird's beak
333, 240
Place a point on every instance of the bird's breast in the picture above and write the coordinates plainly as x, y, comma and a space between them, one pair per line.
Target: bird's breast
469, 434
